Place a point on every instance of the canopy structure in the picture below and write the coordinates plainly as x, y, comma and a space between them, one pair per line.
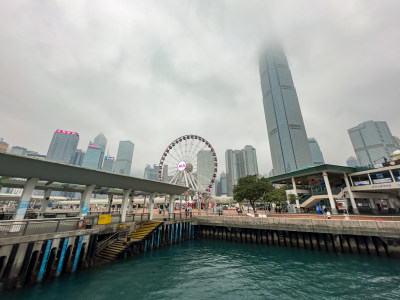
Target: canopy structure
60, 176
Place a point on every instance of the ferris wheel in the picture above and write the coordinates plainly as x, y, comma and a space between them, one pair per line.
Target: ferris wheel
189, 160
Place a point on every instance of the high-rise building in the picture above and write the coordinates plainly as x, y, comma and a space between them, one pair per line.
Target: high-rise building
230, 171
151, 172
93, 157
239, 163
372, 142
316, 154
223, 184
101, 141
19, 150
286, 131
3, 145
397, 142
352, 162
250, 157
63, 145
108, 164
205, 170
78, 157
165, 174
123, 163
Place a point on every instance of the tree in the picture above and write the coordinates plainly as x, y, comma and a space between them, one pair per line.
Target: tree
277, 195
293, 198
251, 188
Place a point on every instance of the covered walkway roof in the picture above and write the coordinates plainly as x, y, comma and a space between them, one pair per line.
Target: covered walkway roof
17, 166
283, 178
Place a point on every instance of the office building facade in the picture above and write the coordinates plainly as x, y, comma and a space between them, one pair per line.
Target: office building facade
151, 172
108, 164
397, 142
63, 146
205, 171
101, 141
239, 163
19, 150
222, 188
123, 163
93, 157
372, 142
316, 153
78, 157
286, 131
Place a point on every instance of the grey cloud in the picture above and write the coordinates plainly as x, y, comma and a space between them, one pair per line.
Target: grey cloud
155, 70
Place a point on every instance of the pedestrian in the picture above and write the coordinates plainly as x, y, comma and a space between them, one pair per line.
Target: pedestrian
328, 214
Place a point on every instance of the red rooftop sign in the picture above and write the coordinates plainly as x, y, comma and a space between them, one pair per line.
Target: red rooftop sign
66, 132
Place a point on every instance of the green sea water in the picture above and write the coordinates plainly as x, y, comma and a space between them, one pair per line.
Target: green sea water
202, 269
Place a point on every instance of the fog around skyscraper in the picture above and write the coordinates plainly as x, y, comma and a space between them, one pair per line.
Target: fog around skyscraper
192, 66
287, 135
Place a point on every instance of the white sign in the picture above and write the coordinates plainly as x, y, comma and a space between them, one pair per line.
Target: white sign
181, 166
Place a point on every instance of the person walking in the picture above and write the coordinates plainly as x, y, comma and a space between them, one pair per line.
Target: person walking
328, 214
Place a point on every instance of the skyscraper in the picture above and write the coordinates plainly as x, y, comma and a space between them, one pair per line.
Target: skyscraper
250, 157
397, 141
124, 158
93, 157
222, 182
101, 141
78, 157
151, 172
63, 145
286, 132
316, 154
108, 164
239, 163
372, 142
205, 170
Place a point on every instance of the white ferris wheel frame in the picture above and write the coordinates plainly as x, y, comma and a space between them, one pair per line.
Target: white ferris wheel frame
184, 150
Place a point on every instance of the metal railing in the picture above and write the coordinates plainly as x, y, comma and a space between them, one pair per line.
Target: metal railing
31, 227
109, 240
182, 215
12, 228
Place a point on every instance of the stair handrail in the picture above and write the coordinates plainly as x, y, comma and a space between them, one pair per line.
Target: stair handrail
107, 241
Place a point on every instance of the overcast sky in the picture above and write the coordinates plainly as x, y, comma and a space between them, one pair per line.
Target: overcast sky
151, 71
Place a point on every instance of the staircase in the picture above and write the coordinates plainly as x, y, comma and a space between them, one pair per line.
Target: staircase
144, 230
314, 199
118, 246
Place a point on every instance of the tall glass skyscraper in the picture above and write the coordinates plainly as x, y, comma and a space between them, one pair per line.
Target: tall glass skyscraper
63, 146
316, 153
93, 157
286, 132
372, 142
101, 141
123, 163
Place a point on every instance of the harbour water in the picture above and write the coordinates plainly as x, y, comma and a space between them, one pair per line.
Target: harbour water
202, 269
